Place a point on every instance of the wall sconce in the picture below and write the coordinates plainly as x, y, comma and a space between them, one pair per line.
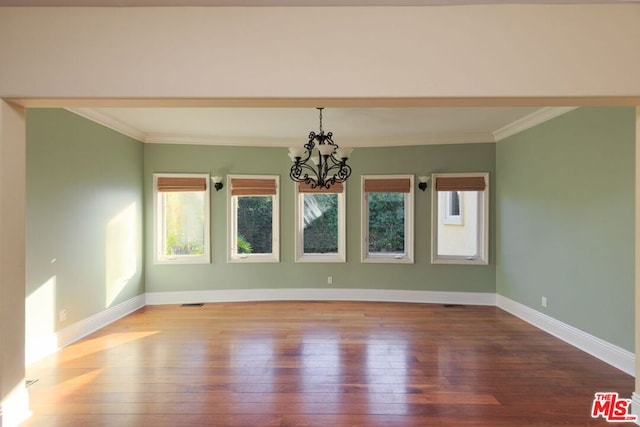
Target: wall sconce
217, 182
423, 182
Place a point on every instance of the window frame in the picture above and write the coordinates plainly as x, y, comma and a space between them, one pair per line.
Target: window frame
341, 255
232, 217
482, 254
159, 228
409, 203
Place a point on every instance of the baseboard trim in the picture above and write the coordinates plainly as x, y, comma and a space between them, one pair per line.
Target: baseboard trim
607, 352
321, 294
40, 347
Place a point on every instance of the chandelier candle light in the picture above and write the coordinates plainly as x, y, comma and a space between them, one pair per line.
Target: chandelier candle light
324, 167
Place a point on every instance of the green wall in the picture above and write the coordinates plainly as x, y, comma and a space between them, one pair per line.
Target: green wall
565, 209
220, 160
84, 219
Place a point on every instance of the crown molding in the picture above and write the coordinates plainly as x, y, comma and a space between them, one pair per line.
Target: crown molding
110, 122
529, 121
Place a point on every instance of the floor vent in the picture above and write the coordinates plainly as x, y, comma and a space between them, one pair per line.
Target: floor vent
453, 305
195, 304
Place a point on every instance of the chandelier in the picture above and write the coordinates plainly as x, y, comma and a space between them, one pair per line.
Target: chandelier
320, 163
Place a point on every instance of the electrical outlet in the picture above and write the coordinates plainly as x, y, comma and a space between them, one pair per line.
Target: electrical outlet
62, 316
544, 301
329, 280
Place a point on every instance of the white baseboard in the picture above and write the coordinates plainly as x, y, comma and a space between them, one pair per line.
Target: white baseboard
14, 408
39, 347
321, 294
607, 352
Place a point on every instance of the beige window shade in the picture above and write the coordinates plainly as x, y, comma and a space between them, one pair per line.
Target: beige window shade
387, 185
335, 188
170, 184
460, 183
253, 187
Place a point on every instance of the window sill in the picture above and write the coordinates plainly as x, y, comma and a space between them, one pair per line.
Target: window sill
335, 258
459, 261
253, 259
183, 260
387, 259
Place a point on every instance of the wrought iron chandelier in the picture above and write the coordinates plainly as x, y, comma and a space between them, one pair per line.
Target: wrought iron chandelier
320, 163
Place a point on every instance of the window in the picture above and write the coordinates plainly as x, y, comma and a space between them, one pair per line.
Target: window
181, 219
451, 202
460, 217
387, 218
320, 224
253, 218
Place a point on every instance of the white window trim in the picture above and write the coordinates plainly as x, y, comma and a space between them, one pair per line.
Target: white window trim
159, 232
338, 257
232, 255
407, 258
482, 257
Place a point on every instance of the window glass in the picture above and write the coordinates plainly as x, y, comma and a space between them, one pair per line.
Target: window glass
387, 223
460, 219
320, 224
181, 218
320, 229
255, 224
253, 218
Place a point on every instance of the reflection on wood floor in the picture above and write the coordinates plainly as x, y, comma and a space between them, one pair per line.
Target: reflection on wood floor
320, 364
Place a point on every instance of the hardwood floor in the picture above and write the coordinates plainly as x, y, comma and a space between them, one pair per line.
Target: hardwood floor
320, 364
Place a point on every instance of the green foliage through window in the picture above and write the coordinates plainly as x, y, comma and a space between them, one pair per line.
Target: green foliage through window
386, 222
320, 223
244, 247
255, 224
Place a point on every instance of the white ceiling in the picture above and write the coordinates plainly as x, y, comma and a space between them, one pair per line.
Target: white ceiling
356, 127
271, 3
289, 126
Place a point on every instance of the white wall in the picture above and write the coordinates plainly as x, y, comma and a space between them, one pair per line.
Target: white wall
13, 395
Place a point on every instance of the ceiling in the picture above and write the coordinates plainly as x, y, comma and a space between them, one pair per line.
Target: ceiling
272, 3
355, 127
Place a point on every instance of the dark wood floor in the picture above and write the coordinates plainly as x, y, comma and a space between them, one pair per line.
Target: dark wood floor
320, 364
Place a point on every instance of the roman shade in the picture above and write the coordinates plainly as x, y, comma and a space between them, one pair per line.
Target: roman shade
173, 184
253, 187
387, 185
460, 183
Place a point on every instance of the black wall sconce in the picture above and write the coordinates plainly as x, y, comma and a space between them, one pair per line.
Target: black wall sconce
423, 181
217, 182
